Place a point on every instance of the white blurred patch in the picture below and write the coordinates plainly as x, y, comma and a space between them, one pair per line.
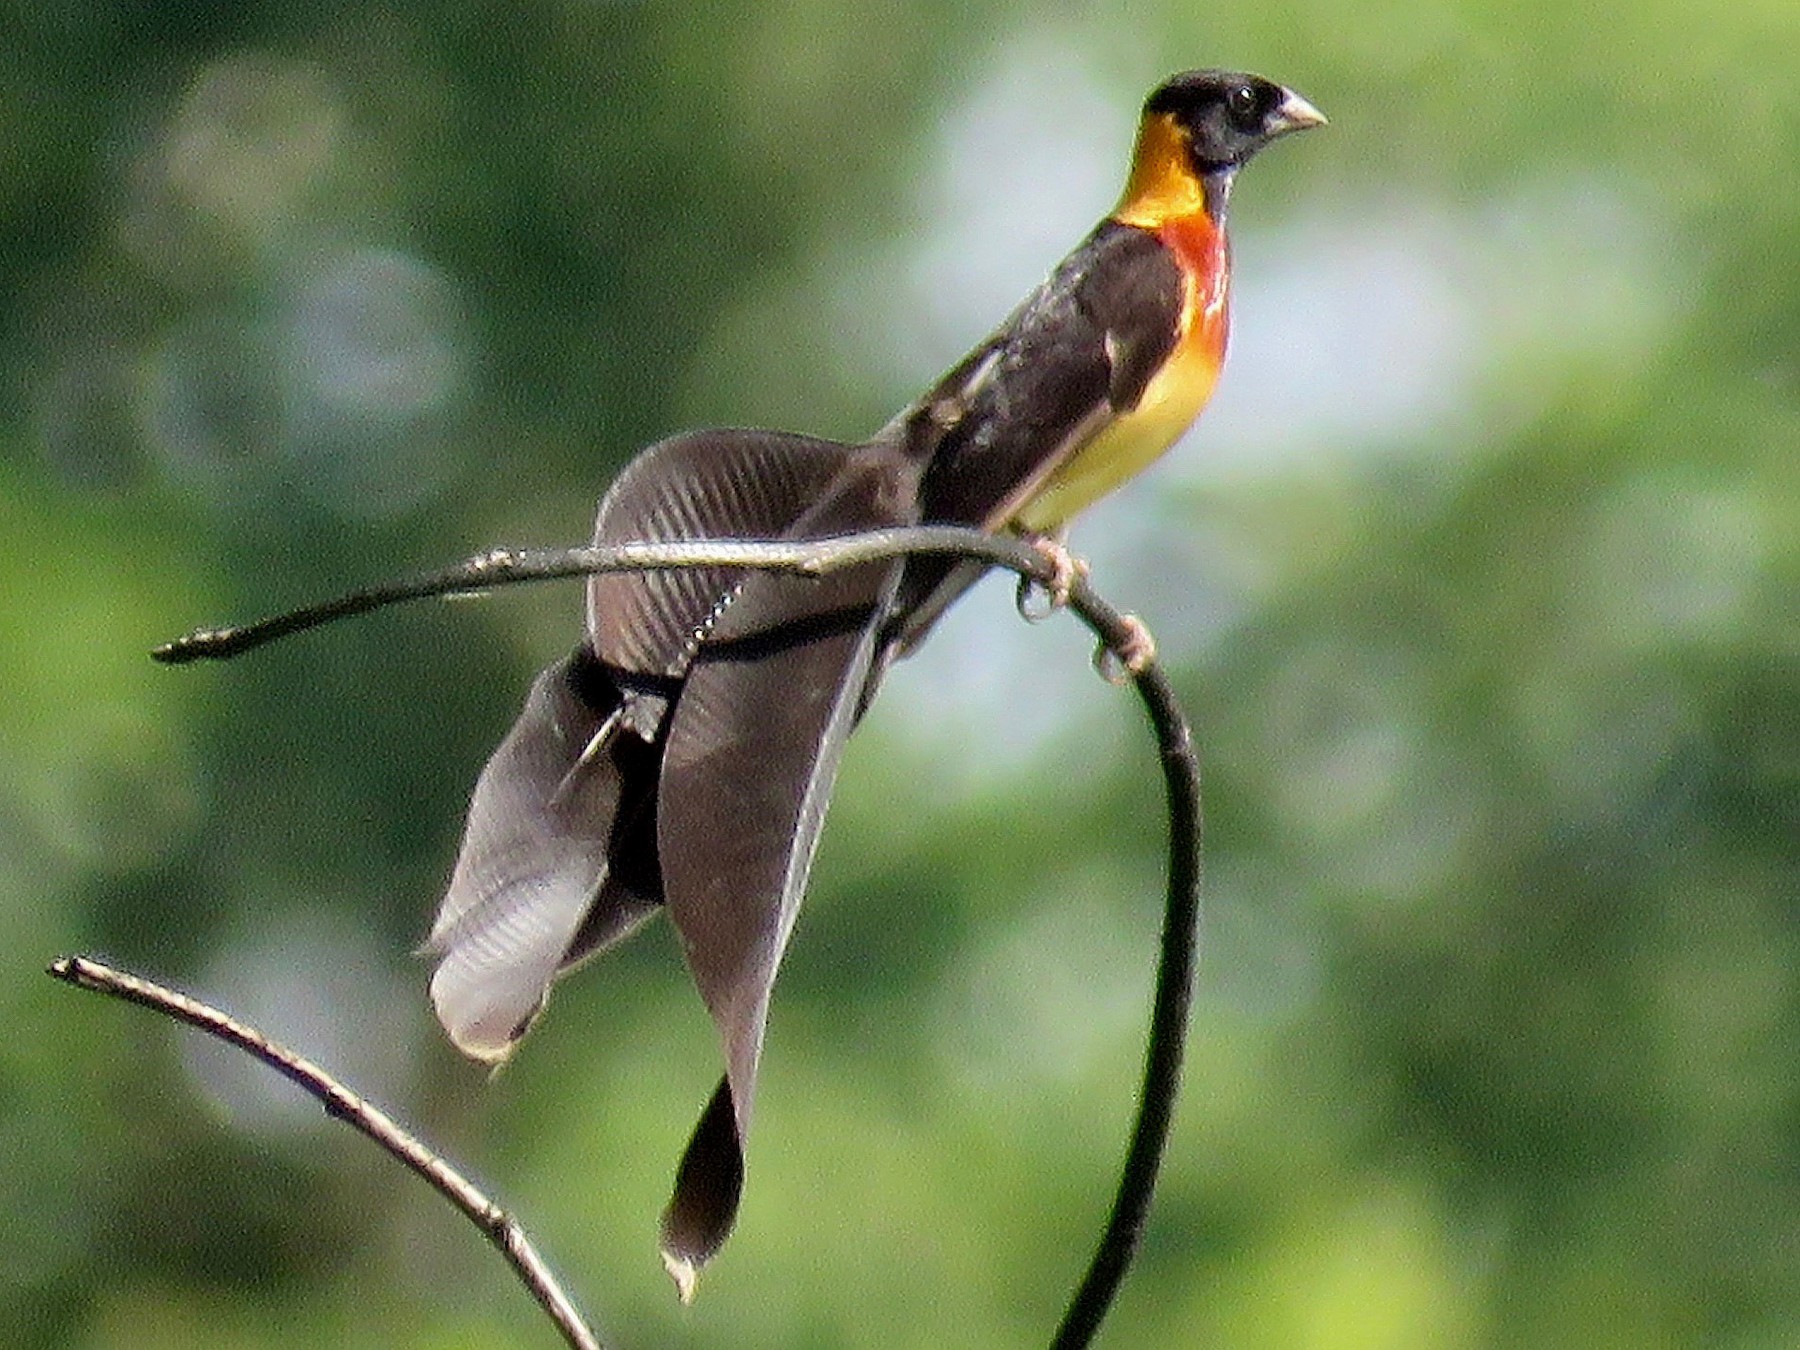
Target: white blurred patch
366, 332
1018, 173
302, 358
988, 696
370, 345
348, 386
1344, 339
321, 986
230, 168
1412, 328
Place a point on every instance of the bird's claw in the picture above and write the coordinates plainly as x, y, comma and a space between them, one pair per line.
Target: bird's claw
1123, 661
1065, 571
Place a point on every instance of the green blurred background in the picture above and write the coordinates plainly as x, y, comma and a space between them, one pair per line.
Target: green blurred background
1480, 580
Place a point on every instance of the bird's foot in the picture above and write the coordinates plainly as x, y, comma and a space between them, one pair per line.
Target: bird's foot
1065, 571
1123, 661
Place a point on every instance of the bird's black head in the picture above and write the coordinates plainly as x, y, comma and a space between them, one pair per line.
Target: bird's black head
1228, 116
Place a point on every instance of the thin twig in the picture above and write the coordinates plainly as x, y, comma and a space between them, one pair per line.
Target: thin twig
511, 567
1166, 1046
340, 1102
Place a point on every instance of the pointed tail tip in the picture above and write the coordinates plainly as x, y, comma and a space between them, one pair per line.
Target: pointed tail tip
685, 1274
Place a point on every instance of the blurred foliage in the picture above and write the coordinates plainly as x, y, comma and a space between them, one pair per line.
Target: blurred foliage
1486, 609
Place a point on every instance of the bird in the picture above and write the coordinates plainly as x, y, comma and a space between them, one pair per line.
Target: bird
681, 758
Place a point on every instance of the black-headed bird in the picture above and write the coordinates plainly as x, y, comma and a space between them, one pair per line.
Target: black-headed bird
682, 757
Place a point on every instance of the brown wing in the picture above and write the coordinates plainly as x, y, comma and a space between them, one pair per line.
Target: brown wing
754, 744
684, 756
535, 884
701, 485
1079, 351
559, 853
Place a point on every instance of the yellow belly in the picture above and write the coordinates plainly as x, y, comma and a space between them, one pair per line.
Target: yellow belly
1127, 445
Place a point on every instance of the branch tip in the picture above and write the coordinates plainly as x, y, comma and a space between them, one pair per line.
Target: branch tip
343, 1104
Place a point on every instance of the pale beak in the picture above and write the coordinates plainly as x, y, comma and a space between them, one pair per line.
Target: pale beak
1294, 113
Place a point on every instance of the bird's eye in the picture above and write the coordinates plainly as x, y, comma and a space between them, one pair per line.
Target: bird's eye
1244, 107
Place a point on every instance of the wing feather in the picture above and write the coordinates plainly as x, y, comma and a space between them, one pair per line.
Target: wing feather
722, 484
533, 870
754, 745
